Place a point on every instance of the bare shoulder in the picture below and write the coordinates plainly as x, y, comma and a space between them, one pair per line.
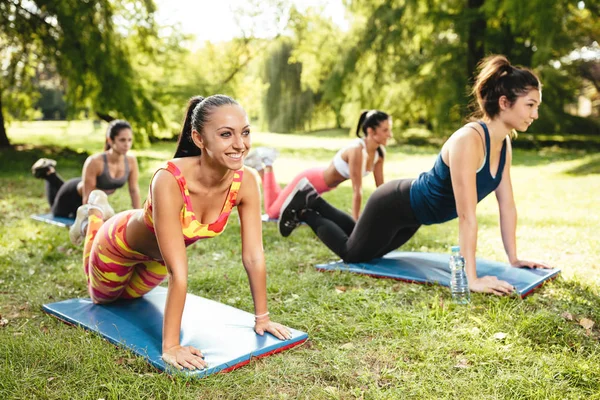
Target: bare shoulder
249, 188
163, 179
469, 134
94, 162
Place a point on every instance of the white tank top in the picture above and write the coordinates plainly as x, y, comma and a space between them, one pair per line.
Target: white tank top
342, 166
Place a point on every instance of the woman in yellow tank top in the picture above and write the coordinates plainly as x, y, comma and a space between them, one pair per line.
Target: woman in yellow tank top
190, 198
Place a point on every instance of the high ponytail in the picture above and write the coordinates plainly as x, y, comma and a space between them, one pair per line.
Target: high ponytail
497, 78
370, 119
185, 145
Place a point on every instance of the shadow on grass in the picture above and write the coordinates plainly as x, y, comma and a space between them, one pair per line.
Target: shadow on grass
589, 167
18, 160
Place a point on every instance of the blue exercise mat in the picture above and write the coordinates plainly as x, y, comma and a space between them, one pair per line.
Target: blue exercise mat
51, 219
224, 334
434, 268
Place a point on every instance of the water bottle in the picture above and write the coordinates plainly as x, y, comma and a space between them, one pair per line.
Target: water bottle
459, 284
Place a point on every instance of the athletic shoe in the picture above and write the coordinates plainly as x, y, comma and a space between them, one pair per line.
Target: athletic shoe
76, 233
42, 166
253, 159
99, 200
267, 155
299, 199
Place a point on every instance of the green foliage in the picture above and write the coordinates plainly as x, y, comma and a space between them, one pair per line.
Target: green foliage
287, 106
416, 59
85, 42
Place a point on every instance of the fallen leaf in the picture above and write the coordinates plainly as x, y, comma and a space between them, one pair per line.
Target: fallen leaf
31, 271
347, 346
462, 363
567, 315
51, 379
3, 322
500, 336
340, 289
586, 323
44, 329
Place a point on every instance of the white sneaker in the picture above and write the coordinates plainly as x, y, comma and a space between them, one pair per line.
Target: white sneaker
76, 233
267, 155
99, 200
253, 159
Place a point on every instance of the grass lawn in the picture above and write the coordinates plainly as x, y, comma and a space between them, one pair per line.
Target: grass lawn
369, 338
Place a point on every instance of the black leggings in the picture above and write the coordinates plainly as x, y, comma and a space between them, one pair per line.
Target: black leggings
386, 223
63, 196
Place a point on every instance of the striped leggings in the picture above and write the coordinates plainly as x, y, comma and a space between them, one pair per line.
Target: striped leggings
113, 269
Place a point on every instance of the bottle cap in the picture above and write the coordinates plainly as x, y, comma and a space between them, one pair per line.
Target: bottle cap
456, 249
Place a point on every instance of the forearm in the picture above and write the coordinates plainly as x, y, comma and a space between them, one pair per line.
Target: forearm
136, 200
257, 276
356, 203
173, 312
467, 237
508, 230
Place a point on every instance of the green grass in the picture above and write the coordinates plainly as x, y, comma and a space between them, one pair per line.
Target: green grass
369, 338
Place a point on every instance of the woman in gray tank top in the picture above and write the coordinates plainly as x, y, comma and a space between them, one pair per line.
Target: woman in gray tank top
106, 171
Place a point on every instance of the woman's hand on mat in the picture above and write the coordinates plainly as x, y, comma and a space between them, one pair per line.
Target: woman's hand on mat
529, 264
490, 284
184, 357
266, 325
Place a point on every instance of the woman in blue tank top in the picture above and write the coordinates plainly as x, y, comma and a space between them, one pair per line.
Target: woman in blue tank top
106, 171
473, 162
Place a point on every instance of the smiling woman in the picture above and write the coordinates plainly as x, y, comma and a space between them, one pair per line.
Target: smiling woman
190, 198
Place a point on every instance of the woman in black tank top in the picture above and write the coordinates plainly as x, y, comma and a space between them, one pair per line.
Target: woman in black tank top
65, 197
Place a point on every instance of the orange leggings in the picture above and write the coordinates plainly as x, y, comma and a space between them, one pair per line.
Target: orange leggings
114, 270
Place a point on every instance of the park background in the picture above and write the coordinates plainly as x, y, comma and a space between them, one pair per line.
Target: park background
303, 71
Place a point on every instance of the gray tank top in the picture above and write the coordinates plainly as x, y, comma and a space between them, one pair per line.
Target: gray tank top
106, 182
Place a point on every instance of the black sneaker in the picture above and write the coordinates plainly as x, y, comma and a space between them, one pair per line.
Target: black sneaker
42, 166
298, 200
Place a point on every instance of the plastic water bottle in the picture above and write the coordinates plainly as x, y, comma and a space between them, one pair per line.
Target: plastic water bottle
459, 284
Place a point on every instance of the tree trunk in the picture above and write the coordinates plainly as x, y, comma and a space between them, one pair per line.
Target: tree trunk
476, 37
4, 142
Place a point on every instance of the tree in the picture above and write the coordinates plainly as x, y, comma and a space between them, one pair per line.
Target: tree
85, 41
287, 106
416, 59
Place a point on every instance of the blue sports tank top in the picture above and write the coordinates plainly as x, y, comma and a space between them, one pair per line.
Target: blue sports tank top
431, 194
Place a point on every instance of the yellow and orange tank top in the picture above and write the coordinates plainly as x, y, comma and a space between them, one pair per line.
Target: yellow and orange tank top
193, 229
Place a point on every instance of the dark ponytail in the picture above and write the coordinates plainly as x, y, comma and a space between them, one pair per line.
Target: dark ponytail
113, 130
371, 119
497, 78
197, 114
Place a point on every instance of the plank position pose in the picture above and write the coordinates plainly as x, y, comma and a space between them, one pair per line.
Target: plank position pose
473, 162
190, 198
